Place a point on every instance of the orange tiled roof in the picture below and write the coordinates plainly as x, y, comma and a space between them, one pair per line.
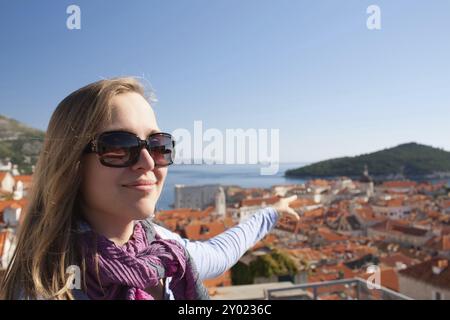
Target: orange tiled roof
171, 224
446, 242
327, 290
433, 214
319, 182
323, 277
208, 210
445, 230
259, 201
330, 297
367, 214
270, 238
26, 179
328, 235
228, 222
15, 206
399, 184
388, 278
308, 254
424, 272
22, 203
389, 225
302, 202
398, 202
445, 204
393, 259
329, 273
203, 231
440, 243
340, 268
3, 238
2, 174
316, 213
365, 250
183, 213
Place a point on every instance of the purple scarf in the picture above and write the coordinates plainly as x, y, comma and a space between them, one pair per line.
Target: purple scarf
124, 272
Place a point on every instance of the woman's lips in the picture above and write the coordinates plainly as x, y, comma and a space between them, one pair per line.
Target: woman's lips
142, 187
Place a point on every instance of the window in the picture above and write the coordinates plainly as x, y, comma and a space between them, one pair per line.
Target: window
204, 229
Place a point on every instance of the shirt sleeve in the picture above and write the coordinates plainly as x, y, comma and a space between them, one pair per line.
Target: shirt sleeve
215, 256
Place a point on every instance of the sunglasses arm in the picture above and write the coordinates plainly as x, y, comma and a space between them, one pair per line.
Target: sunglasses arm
91, 147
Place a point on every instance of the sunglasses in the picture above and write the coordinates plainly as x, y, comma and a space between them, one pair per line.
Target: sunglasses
119, 149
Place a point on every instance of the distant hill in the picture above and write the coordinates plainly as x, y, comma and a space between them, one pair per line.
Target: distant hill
20, 143
411, 160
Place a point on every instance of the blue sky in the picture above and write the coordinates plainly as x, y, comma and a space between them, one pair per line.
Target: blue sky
309, 68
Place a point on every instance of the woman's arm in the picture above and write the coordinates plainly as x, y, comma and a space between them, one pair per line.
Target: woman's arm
216, 255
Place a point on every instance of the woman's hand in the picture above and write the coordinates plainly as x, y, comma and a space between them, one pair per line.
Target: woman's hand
282, 206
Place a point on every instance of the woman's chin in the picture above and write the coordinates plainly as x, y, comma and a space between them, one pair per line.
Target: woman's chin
141, 209
145, 212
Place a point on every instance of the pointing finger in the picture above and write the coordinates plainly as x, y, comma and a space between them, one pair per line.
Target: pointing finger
291, 198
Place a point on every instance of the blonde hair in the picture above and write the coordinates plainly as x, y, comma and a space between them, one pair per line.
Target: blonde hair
46, 238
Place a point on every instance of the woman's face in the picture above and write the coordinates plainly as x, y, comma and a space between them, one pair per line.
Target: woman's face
104, 189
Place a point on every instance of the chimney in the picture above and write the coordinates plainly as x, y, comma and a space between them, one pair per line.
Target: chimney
440, 266
446, 242
443, 264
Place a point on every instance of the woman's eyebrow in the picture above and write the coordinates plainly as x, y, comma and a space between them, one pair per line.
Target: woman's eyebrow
154, 131
133, 131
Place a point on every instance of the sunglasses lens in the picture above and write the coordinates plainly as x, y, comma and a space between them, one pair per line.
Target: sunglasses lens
162, 149
117, 149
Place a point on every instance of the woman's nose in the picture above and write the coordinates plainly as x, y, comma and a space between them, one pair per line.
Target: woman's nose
145, 161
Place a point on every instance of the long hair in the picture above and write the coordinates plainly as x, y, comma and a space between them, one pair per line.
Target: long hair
46, 238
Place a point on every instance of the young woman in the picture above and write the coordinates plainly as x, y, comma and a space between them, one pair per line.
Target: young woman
100, 173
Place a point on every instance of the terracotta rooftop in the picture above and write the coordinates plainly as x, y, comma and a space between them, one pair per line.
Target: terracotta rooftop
440, 243
3, 238
388, 278
389, 225
203, 231
319, 183
399, 184
259, 201
26, 179
394, 202
424, 272
184, 213
302, 202
445, 204
2, 175
308, 254
22, 203
331, 236
392, 260
409, 230
319, 212
367, 214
